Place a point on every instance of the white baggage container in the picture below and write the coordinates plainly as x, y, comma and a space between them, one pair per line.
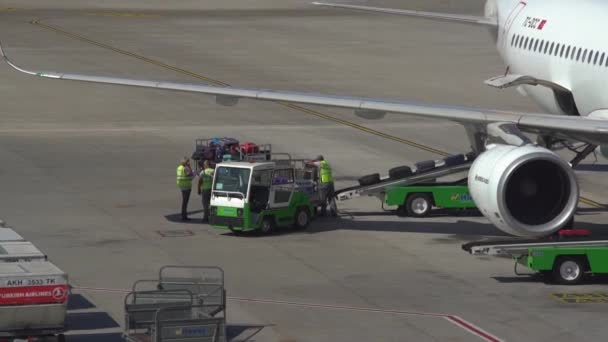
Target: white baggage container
7, 234
23, 251
33, 299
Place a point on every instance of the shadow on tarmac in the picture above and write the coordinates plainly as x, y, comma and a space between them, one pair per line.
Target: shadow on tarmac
177, 217
548, 280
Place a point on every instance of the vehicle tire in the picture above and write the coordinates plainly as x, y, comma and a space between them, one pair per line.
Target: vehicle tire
400, 172
302, 219
418, 205
61, 338
369, 179
569, 270
268, 225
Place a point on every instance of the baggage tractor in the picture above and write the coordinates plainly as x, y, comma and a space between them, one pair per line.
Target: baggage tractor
24, 251
370, 179
400, 172
425, 165
33, 299
7, 234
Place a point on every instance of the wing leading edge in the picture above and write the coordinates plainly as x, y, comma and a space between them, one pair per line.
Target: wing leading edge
582, 129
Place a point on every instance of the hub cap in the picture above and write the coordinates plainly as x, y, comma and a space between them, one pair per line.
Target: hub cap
569, 270
302, 218
420, 206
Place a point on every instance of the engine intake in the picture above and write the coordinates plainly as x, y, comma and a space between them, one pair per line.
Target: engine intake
526, 191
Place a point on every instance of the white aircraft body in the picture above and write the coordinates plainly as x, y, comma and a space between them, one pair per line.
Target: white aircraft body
522, 187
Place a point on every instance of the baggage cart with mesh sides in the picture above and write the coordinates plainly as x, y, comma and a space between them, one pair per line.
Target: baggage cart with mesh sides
186, 303
33, 300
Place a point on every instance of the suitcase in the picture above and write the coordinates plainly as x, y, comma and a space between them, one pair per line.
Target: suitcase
209, 153
369, 179
425, 165
400, 172
250, 148
456, 159
197, 155
223, 145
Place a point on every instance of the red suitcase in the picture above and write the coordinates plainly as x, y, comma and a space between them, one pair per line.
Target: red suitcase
250, 148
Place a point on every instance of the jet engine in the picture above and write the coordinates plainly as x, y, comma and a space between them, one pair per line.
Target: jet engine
526, 191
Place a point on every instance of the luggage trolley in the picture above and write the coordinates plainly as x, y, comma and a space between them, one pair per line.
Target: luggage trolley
186, 303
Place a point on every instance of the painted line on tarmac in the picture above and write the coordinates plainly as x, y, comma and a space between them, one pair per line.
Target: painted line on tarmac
300, 108
123, 14
455, 320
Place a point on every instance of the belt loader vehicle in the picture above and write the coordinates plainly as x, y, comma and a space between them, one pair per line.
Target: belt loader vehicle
248, 196
417, 192
567, 259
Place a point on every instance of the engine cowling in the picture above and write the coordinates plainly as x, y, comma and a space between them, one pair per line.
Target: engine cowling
526, 191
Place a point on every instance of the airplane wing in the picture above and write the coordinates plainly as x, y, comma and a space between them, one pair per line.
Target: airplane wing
577, 128
466, 19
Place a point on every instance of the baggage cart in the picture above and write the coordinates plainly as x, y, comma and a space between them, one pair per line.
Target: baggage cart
33, 300
7, 234
24, 251
186, 303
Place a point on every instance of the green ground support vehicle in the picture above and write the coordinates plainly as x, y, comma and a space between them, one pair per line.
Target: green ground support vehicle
419, 199
249, 196
567, 264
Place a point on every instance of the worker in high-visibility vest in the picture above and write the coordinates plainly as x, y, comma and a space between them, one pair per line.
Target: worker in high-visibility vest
327, 183
205, 181
184, 183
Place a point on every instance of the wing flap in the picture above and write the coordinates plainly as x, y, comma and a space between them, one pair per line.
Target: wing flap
512, 80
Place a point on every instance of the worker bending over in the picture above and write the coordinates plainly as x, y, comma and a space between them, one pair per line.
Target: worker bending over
205, 181
327, 183
184, 183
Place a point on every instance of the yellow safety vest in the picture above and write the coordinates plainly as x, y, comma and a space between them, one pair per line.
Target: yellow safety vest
326, 175
184, 181
207, 176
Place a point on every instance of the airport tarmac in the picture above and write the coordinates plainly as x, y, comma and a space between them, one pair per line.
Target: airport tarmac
88, 170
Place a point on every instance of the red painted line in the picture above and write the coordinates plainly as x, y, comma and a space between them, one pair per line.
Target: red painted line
101, 289
337, 307
473, 329
455, 320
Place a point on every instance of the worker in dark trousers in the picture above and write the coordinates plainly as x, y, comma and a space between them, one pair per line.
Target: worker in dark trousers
184, 183
327, 182
205, 181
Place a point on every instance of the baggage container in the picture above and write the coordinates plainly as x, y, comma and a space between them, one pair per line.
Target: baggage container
33, 299
7, 234
20, 251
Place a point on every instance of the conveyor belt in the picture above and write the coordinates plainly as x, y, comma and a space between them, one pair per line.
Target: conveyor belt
368, 190
513, 247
